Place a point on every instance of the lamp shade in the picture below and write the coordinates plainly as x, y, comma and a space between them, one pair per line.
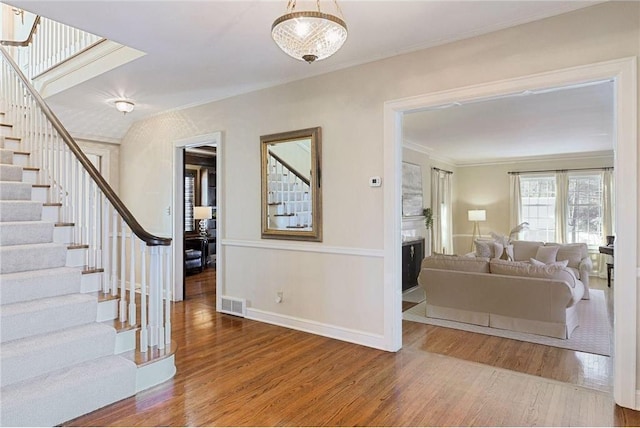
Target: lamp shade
202, 213
477, 215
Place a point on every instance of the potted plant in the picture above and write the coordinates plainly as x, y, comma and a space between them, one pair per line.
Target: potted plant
428, 218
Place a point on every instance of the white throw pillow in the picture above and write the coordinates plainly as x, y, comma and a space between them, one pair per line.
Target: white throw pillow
484, 248
561, 263
498, 249
546, 255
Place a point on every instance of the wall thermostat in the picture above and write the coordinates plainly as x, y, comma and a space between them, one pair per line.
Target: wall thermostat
375, 181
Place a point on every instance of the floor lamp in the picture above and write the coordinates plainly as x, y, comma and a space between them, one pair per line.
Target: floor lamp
476, 216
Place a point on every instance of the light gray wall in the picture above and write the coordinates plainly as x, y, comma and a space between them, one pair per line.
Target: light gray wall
336, 288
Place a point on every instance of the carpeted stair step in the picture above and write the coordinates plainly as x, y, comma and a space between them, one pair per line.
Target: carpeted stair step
15, 191
39, 284
20, 211
34, 356
6, 156
25, 232
10, 172
21, 258
25, 319
55, 398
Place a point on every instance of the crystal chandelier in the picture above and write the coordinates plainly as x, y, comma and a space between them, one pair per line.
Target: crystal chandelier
309, 35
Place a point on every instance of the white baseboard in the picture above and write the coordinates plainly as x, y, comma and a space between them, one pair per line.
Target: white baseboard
348, 335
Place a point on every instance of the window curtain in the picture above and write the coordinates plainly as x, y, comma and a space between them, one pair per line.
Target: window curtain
607, 219
562, 194
441, 190
515, 213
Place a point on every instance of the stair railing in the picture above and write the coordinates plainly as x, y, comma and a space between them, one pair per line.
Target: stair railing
49, 44
102, 223
288, 196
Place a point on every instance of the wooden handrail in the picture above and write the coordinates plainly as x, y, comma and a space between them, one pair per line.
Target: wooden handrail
27, 41
136, 228
290, 168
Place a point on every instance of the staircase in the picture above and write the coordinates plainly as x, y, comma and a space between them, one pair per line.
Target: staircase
56, 361
288, 196
74, 264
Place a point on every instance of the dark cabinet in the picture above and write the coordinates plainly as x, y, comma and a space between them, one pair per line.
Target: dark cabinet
412, 255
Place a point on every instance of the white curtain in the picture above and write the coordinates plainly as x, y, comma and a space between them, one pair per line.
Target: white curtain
562, 195
607, 218
515, 212
441, 190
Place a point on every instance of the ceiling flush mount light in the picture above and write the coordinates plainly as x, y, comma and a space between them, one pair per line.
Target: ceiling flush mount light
309, 35
124, 106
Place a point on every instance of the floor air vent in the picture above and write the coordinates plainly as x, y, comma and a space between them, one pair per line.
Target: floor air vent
233, 306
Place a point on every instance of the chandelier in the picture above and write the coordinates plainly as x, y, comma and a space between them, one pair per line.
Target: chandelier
309, 35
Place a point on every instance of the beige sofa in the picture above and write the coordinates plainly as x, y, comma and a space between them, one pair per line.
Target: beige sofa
502, 294
576, 255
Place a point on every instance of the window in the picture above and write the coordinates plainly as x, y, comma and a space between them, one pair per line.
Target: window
538, 194
189, 199
584, 209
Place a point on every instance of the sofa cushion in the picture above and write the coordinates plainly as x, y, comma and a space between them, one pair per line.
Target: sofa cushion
562, 263
525, 250
457, 263
484, 248
503, 267
572, 252
547, 254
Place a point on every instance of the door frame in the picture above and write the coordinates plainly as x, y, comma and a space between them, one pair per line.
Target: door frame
623, 72
177, 233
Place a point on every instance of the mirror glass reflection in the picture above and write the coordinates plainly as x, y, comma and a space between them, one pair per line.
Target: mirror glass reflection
290, 185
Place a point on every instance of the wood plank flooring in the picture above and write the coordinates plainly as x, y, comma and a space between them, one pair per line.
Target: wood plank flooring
237, 372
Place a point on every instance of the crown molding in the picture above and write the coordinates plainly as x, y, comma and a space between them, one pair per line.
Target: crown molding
608, 154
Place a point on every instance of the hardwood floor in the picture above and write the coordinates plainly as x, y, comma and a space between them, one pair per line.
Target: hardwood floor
237, 372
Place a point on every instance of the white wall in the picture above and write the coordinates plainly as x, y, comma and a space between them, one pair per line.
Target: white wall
338, 290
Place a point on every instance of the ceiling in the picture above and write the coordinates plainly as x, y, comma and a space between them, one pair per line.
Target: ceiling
558, 121
201, 51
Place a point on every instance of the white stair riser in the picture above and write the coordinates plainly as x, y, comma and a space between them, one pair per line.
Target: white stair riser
63, 234
30, 176
107, 310
91, 282
51, 213
125, 341
39, 194
76, 257
6, 131
20, 159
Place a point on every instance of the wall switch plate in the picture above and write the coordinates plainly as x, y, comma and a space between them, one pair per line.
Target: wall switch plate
375, 181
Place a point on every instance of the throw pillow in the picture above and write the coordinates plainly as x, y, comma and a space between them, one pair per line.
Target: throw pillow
561, 263
546, 255
484, 248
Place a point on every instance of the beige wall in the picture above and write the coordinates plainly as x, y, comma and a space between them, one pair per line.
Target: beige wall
111, 159
487, 187
341, 287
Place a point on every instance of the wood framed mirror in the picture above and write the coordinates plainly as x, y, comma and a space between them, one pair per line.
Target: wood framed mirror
291, 190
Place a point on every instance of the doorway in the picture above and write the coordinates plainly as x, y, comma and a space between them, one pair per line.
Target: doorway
622, 72
197, 210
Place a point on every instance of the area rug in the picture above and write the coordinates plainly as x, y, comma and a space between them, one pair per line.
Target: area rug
414, 295
593, 335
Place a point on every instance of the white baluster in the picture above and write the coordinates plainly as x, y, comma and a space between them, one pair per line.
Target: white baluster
160, 306
105, 245
144, 337
153, 291
123, 276
114, 246
132, 282
167, 296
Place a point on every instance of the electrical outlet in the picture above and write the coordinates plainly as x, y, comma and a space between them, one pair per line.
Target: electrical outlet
279, 297
375, 181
